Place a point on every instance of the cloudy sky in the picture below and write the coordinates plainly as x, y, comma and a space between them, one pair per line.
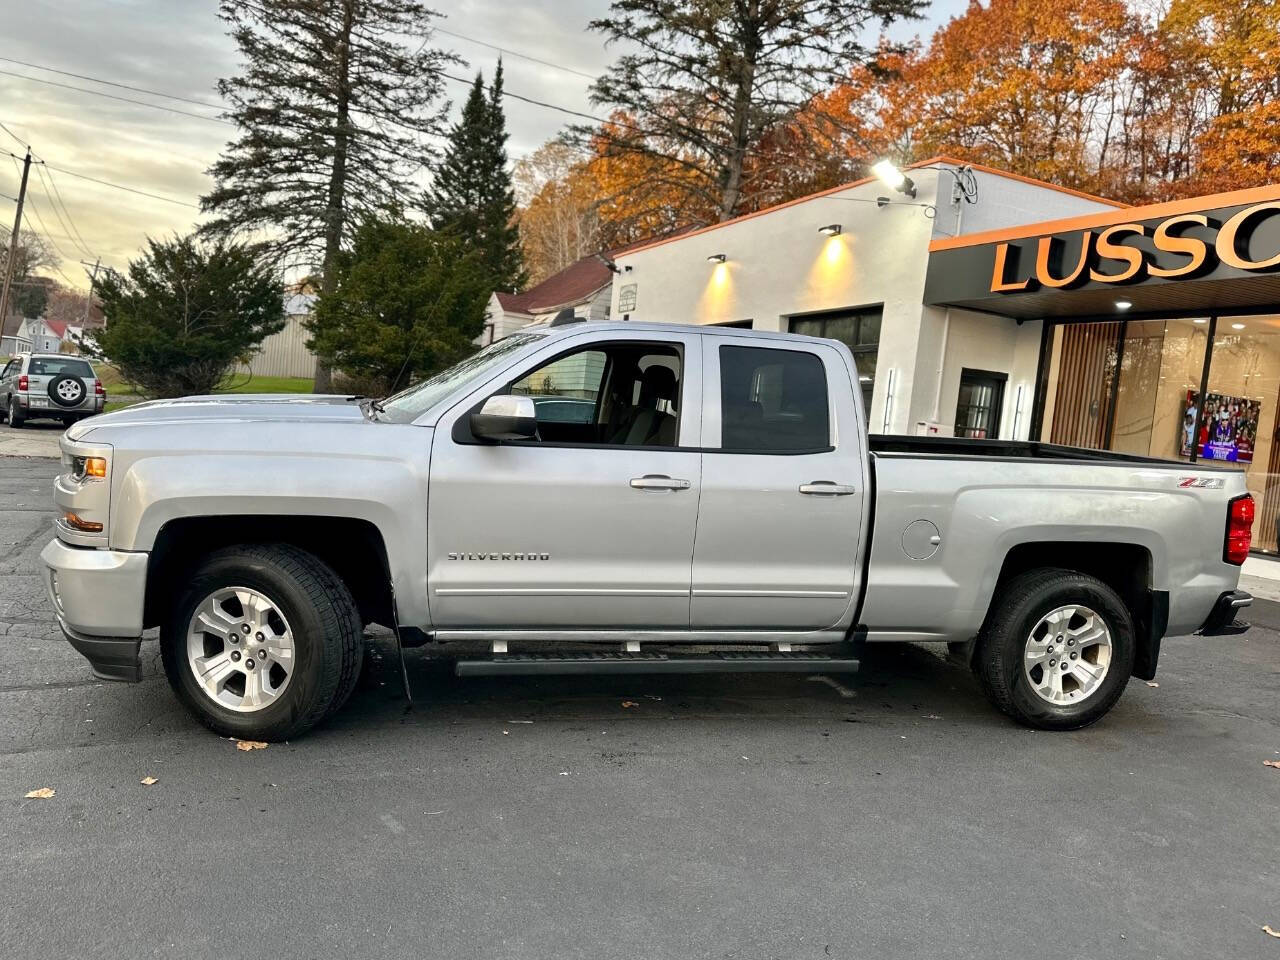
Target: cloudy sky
178, 47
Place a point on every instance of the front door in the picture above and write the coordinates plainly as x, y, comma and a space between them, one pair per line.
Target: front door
783, 489
592, 523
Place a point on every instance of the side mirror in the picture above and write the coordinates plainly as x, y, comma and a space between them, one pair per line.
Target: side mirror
505, 417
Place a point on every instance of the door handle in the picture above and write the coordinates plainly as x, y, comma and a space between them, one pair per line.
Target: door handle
658, 481
826, 488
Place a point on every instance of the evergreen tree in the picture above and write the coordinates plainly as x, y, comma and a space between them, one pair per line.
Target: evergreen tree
410, 301
185, 313
335, 102
473, 197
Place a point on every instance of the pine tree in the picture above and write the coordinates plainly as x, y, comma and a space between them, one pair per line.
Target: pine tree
335, 109
473, 196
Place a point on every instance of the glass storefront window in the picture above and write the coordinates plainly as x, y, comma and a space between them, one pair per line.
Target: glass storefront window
1134, 387
1238, 422
859, 330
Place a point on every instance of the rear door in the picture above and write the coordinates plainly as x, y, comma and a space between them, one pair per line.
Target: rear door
592, 524
781, 516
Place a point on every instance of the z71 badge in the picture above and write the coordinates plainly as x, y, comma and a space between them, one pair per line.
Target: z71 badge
1207, 483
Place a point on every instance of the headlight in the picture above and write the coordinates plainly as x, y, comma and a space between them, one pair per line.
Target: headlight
89, 468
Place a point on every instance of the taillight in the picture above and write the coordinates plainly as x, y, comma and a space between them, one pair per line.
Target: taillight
97, 388
1239, 530
22, 382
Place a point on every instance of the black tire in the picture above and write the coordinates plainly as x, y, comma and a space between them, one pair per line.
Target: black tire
16, 417
75, 382
1021, 603
326, 629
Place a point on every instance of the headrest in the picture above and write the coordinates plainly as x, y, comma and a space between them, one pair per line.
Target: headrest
658, 383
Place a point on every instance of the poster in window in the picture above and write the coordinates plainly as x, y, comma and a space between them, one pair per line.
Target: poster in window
1225, 429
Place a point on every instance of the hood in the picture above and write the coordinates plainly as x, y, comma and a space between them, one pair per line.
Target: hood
228, 408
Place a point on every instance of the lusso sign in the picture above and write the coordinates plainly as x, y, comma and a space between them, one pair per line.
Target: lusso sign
1179, 247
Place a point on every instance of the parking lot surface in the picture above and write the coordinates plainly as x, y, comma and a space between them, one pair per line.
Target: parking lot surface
889, 815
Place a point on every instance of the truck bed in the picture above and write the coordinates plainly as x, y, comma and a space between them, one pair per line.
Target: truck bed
890, 444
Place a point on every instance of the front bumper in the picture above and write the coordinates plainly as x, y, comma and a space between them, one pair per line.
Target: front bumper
98, 597
1222, 620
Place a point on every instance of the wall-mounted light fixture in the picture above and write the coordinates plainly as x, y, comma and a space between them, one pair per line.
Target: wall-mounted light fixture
891, 176
716, 258
832, 229
1123, 304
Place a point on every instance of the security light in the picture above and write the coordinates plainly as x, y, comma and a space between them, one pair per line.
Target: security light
891, 176
716, 258
831, 229
1237, 326
1123, 304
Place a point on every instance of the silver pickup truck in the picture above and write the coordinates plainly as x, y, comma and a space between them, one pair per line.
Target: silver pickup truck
621, 497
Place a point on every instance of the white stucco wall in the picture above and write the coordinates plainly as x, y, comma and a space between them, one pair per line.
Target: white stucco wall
779, 266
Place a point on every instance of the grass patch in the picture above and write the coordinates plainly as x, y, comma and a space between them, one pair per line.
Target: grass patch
121, 394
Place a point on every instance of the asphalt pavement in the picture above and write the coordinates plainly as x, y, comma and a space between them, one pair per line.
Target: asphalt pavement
888, 815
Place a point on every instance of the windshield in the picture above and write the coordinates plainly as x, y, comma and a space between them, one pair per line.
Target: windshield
412, 403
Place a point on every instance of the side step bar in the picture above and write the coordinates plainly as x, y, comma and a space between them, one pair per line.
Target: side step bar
616, 663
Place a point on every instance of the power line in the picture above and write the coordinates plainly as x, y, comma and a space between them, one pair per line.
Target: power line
112, 96
506, 51
21, 142
113, 83
549, 106
108, 183
56, 201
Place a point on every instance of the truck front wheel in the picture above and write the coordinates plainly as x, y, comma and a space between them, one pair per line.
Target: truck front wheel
1057, 649
264, 642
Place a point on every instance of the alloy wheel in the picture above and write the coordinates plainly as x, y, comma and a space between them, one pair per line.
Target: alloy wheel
240, 649
1067, 655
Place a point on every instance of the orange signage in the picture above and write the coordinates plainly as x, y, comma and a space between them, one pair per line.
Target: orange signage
1110, 256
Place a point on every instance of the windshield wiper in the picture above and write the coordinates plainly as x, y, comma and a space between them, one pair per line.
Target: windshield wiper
368, 406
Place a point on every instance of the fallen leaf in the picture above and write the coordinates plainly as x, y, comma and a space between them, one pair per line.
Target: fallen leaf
1270, 932
1271, 763
44, 793
629, 703
1152, 683
148, 781
250, 745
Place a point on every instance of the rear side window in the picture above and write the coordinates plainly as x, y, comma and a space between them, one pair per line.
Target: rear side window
50, 367
772, 401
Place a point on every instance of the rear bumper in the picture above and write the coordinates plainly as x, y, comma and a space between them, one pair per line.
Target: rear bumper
47, 407
1222, 619
98, 597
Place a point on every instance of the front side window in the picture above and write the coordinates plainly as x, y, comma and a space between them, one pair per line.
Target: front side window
612, 394
773, 401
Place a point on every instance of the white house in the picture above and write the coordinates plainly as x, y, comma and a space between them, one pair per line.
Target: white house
584, 287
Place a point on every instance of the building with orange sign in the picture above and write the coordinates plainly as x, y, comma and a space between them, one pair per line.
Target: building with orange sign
982, 304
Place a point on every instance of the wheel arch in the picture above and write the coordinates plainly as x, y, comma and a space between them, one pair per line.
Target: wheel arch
1126, 567
353, 548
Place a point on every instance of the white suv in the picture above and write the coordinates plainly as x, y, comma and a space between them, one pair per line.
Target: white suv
52, 385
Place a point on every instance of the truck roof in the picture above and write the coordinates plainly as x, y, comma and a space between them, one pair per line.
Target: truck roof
623, 326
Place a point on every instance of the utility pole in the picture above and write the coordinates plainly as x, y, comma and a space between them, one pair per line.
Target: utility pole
93, 278
13, 242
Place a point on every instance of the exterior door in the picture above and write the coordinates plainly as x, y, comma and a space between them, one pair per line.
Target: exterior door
783, 488
979, 404
590, 525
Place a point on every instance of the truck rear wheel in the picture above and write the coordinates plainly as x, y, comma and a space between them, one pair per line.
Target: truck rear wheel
1057, 649
264, 643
